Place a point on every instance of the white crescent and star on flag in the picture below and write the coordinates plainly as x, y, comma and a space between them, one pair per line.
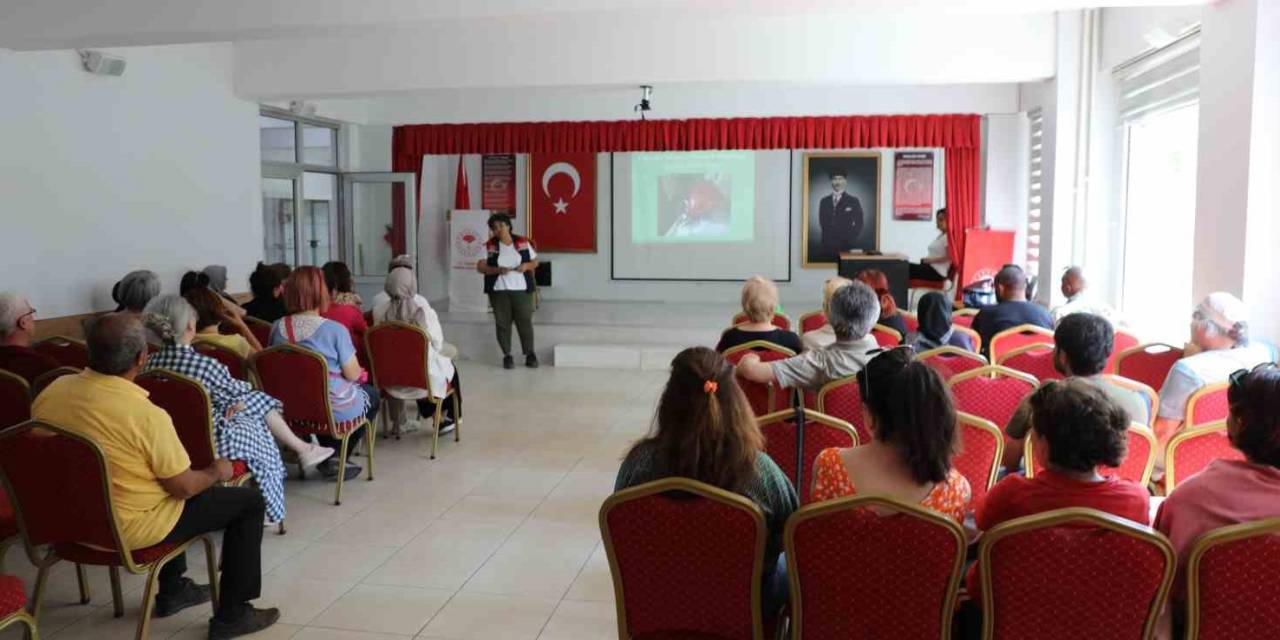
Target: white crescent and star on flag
561, 206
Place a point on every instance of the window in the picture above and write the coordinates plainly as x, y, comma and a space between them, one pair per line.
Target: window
299, 188
1035, 193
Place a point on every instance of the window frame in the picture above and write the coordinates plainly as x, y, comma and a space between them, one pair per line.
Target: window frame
296, 170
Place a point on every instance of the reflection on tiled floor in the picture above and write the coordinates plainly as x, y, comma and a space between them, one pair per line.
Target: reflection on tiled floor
495, 539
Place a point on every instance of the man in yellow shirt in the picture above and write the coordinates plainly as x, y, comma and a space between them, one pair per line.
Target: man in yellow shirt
157, 496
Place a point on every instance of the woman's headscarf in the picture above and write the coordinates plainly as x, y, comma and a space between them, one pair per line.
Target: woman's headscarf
934, 316
217, 278
401, 285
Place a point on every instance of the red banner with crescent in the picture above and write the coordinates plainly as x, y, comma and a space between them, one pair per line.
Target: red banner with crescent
562, 202
913, 185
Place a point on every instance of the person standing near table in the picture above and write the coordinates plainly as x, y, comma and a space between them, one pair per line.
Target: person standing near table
508, 280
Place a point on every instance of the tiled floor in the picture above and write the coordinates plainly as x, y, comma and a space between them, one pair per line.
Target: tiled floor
496, 539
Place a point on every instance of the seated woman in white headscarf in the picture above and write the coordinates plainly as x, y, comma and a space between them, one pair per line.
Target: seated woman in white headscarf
403, 305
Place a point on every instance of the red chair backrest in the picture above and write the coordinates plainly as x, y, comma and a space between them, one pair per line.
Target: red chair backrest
45, 379
188, 405
68, 352
1020, 336
1123, 342
1148, 364
949, 361
820, 432
910, 321
1115, 573
1209, 404
1234, 582
15, 399
297, 377
780, 321
397, 356
71, 505
994, 399
978, 459
686, 559
812, 321
232, 360
842, 399
885, 336
1192, 450
1034, 360
899, 563
764, 398
261, 329
965, 320
1136, 466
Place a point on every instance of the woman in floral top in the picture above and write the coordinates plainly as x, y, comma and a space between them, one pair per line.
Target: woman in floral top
914, 424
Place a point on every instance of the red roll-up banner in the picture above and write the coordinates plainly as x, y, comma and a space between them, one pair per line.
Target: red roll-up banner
562, 202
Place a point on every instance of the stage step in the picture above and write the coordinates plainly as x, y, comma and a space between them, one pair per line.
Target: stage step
646, 357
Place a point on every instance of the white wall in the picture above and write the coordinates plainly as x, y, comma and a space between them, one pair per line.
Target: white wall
156, 169
1006, 165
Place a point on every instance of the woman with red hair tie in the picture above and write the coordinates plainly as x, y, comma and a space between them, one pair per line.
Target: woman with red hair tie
889, 314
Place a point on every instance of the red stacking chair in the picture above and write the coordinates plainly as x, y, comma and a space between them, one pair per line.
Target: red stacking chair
991, 393
821, 431
261, 329
1114, 573
980, 454
398, 358
1149, 396
1193, 449
1139, 460
15, 399
963, 317
780, 320
299, 378
812, 321
71, 513
911, 321
973, 335
872, 567
1148, 363
42, 381
188, 405
1019, 336
949, 361
232, 360
686, 560
768, 398
886, 337
1233, 582
1123, 342
842, 399
1208, 404
13, 599
1035, 360
68, 352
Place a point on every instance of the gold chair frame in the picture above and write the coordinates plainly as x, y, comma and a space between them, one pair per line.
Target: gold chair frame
1145, 432
763, 345
1206, 543
1020, 329
1177, 440
431, 394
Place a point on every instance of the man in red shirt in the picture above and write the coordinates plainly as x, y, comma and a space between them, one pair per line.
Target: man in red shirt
17, 331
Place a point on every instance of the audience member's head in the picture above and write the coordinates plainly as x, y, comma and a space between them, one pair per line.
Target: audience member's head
402, 261
117, 344
879, 283
265, 282
941, 219
135, 290
910, 410
1083, 344
192, 280
172, 319
283, 270
1221, 321
305, 290
1011, 284
337, 277
1077, 426
832, 285
500, 226
759, 299
208, 306
1073, 282
1254, 422
934, 317
17, 320
217, 277
400, 285
853, 311
704, 428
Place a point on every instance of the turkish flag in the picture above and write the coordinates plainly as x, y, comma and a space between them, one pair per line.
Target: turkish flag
562, 202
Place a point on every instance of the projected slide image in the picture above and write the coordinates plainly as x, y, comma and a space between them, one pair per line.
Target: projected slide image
693, 197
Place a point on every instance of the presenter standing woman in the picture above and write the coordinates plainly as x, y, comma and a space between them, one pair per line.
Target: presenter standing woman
937, 263
508, 280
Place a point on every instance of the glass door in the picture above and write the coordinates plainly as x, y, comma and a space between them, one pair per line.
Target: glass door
379, 223
279, 201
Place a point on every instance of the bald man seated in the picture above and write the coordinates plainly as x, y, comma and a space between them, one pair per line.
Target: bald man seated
1075, 288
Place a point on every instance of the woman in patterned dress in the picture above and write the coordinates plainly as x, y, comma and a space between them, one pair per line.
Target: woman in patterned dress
914, 424
244, 420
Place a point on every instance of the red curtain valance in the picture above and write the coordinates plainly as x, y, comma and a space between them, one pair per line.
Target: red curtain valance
960, 135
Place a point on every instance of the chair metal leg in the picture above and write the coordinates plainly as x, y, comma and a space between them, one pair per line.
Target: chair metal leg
25, 619
148, 602
369, 439
342, 468
42, 579
211, 559
435, 428
83, 583
117, 599
457, 418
